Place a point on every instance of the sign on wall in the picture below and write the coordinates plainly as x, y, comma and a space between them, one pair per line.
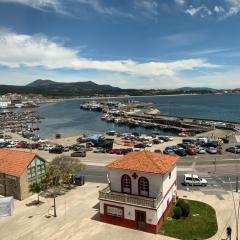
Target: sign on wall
114, 211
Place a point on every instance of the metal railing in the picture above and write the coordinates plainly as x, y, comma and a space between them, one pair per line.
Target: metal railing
107, 194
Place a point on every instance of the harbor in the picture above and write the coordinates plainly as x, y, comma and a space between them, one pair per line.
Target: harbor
19, 121
141, 114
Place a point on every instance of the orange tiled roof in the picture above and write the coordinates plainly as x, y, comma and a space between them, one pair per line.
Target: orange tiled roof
13, 162
144, 161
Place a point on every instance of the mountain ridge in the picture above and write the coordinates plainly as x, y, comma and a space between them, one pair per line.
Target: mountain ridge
52, 88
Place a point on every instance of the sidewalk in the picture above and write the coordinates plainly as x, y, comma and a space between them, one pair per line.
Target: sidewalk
77, 218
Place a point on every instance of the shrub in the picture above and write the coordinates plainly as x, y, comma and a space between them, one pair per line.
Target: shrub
177, 213
185, 207
180, 202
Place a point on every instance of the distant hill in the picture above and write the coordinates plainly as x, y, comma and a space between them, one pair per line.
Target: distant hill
187, 89
40, 83
88, 88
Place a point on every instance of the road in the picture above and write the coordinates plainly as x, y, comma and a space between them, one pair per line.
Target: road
217, 184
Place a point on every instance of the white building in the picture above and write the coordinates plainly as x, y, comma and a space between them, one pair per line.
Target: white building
141, 191
5, 103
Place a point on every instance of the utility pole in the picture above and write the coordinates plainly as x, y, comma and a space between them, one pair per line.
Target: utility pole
215, 165
236, 183
54, 200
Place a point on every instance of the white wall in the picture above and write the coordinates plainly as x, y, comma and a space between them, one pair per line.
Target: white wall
168, 182
167, 198
129, 212
155, 181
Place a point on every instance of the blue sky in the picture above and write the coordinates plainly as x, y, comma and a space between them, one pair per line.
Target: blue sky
125, 43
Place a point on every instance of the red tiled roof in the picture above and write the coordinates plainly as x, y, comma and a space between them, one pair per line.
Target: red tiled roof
13, 162
144, 161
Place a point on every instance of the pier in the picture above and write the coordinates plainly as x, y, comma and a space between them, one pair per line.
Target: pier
143, 115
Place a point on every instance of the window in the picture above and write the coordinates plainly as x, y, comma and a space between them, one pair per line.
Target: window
31, 172
41, 169
170, 174
143, 186
114, 211
126, 184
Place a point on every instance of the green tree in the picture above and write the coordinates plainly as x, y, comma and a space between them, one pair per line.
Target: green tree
36, 187
60, 171
67, 167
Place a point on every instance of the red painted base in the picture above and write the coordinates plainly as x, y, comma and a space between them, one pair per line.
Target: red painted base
133, 224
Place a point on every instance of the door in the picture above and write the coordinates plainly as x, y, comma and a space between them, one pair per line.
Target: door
141, 220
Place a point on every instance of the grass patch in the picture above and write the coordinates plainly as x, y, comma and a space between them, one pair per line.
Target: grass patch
200, 224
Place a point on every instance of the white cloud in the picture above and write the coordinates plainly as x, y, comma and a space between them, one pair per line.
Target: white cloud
202, 11
219, 9
68, 7
148, 8
32, 51
233, 7
228, 8
42, 5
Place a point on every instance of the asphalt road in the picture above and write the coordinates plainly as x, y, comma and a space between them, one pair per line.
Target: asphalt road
217, 184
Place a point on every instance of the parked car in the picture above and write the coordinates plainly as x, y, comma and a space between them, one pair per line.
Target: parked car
78, 154
48, 147
165, 139
126, 150
201, 150
41, 147
117, 151
11, 145
189, 141
211, 150
158, 151
194, 180
42, 140
21, 144
56, 150
148, 144
233, 150
191, 151
168, 151
99, 150
140, 145
210, 144
181, 152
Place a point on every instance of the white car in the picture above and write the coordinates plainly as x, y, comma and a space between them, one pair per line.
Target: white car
48, 147
42, 140
11, 145
148, 144
194, 180
212, 150
201, 150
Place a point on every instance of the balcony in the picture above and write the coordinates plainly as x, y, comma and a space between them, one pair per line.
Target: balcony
107, 194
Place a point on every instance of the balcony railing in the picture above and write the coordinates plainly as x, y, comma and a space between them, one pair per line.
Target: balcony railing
107, 194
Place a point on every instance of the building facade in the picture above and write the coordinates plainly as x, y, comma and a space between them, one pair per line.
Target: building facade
142, 189
17, 171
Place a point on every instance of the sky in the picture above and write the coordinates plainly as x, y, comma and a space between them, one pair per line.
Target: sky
125, 43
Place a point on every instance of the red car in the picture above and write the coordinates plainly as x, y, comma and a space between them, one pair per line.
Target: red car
191, 151
116, 151
21, 145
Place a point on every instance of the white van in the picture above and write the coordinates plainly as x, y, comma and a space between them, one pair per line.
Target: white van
194, 180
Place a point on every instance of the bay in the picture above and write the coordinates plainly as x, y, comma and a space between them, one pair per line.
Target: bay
68, 119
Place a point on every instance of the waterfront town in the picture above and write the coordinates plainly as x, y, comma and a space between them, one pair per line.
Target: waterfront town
119, 120
120, 184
